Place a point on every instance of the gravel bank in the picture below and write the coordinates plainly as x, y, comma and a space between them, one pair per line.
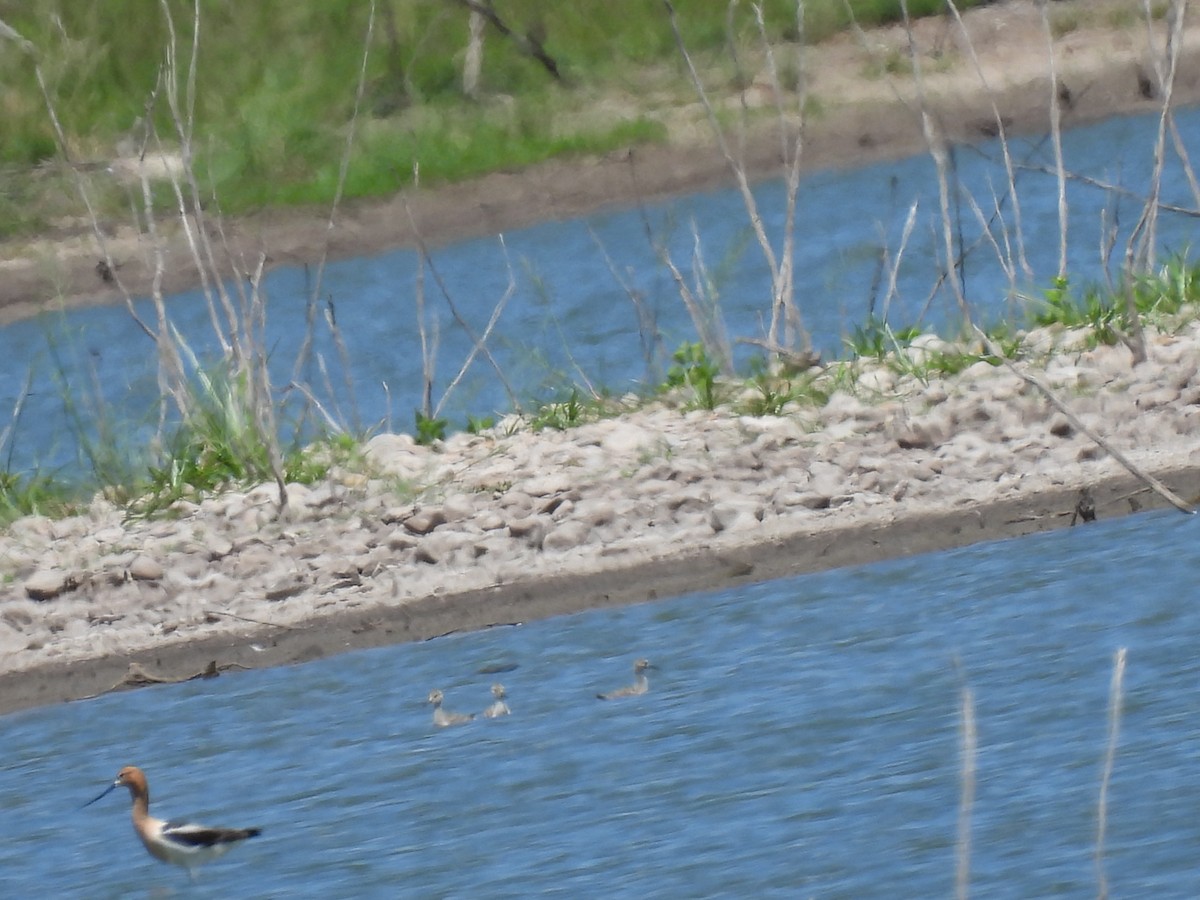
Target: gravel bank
516, 525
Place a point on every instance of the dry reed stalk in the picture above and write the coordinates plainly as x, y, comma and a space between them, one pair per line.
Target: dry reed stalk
1157, 486
1002, 136
785, 309
1056, 141
429, 344
785, 313
242, 335
1004, 254
968, 754
894, 269
509, 290
939, 151
648, 332
478, 342
1115, 702
706, 319
343, 169
192, 216
716, 337
1174, 46
1143, 240
1141, 250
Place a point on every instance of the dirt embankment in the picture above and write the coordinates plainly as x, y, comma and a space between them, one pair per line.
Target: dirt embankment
865, 105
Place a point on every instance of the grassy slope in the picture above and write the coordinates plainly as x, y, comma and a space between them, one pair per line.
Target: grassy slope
276, 84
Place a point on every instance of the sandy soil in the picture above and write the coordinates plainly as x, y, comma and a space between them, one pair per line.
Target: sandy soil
1102, 71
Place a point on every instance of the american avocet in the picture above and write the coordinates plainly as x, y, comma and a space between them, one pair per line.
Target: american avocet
640, 685
182, 843
499, 707
442, 718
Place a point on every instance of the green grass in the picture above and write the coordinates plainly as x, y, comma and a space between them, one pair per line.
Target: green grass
1161, 298
696, 371
37, 494
276, 84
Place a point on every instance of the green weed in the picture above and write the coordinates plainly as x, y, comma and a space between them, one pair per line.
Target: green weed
429, 429
560, 415
480, 425
35, 494
875, 339
275, 89
696, 369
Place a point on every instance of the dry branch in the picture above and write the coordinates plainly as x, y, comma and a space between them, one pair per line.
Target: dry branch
968, 753
1161, 489
783, 310
529, 43
1115, 696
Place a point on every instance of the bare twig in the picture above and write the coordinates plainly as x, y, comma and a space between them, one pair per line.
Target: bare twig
530, 44
1056, 140
227, 615
1115, 697
343, 168
137, 676
968, 752
1001, 136
477, 343
1161, 489
648, 332
1116, 190
509, 290
784, 312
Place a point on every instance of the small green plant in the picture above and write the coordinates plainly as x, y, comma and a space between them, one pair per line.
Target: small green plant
775, 391
221, 443
1168, 291
773, 395
477, 425
36, 494
875, 339
1100, 313
695, 368
560, 415
893, 62
1006, 340
1060, 308
429, 429
841, 375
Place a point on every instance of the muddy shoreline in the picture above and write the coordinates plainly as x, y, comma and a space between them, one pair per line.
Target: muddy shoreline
671, 574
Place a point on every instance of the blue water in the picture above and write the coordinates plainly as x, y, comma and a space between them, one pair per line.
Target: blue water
800, 739
570, 320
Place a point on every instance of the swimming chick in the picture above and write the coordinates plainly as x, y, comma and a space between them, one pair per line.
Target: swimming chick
640, 685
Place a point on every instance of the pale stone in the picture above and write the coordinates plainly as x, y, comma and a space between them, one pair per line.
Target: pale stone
144, 568
566, 536
555, 483
425, 521
47, 584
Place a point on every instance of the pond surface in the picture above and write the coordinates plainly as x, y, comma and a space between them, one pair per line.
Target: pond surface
800, 739
586, 302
